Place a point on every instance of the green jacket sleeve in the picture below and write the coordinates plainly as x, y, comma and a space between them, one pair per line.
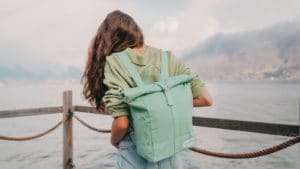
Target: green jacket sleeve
197, 86
114, 81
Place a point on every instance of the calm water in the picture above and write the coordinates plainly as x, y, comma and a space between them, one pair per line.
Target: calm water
259, 101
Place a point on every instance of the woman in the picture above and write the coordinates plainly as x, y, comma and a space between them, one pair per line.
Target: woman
105, 76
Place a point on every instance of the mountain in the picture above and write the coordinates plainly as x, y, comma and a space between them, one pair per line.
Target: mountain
270, 53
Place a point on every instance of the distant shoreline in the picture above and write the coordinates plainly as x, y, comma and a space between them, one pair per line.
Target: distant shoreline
253, 81
77, 82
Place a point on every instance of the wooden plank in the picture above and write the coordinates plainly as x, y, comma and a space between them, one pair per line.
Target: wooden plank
86, 109
299, 123
257, 127
67, 131
30, 112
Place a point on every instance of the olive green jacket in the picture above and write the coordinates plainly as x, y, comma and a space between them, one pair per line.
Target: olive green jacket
117, 78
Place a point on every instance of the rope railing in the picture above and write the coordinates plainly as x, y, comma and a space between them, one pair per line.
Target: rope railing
91, 127
254, 154
33, 136
67, 109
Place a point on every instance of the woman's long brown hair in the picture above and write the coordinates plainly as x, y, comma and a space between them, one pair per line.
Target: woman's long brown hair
117, 32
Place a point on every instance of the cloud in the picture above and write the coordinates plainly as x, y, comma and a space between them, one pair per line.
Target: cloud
239, 15
38, 34
193, 24
201, 19
169, 26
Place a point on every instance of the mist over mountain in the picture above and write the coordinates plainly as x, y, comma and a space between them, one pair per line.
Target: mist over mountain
271, 53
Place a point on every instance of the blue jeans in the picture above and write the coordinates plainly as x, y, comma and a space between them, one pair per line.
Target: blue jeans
128, 158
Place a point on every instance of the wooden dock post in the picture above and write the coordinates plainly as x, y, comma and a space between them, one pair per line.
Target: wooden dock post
67, 131
299, 123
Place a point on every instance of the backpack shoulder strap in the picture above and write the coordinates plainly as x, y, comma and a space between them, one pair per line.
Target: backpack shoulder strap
164, 70
129, 66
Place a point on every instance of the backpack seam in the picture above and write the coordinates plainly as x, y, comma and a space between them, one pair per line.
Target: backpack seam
150, 128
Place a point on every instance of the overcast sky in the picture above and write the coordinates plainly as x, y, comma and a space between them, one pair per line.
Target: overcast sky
50, 34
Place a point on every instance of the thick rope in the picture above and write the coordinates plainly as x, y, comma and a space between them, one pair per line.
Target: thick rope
33, 136
91, 127
254, 154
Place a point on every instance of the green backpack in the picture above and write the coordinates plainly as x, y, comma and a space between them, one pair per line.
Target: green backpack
161, 112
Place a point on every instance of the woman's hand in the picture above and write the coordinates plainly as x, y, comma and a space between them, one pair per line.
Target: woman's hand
118, 129
202, 100
116, 145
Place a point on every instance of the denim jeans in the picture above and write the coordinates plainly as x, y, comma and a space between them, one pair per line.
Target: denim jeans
128, 158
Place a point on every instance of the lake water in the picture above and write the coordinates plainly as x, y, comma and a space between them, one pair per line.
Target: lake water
252, 101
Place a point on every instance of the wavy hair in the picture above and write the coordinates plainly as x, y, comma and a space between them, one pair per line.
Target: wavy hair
117, 32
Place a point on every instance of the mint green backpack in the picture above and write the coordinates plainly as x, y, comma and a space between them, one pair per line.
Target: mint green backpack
161, 112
